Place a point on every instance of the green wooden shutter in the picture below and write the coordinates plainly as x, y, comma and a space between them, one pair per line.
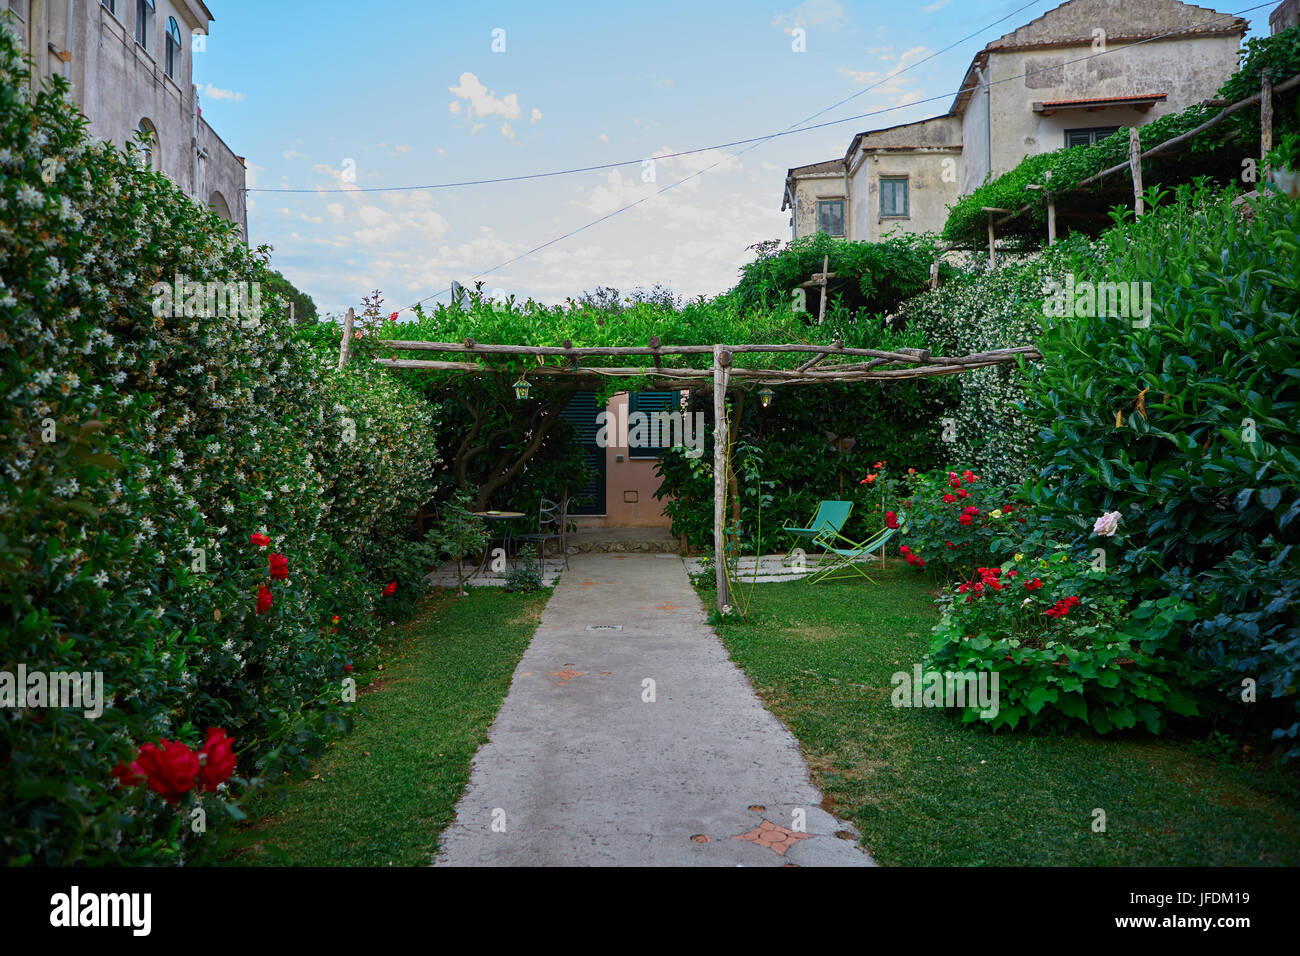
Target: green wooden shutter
581, 414
648, 403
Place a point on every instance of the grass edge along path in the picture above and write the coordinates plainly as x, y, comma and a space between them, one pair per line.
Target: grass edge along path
924, 789
383, 794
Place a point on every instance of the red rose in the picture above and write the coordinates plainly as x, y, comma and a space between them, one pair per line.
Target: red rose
965, 519
393, 317
279, 566
128, 775
970, 510
1007, 509
963, 493
260, 540
953, 480
217, 758
904, 549
391, 589
263, 599
170, 768
869, 479
950, 544
949, 499
1012, 573
1033, 585
969, 475
891, 520
347, 667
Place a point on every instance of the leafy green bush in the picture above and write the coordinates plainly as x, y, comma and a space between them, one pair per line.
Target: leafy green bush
1064, 646
526, 574
1188, 429
880, 274
949, 522
148, 439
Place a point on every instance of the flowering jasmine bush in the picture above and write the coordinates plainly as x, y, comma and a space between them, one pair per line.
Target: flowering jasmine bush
1064, 645
180, 510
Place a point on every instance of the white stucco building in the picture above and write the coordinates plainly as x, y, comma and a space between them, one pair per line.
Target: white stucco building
130, 63
1039, 88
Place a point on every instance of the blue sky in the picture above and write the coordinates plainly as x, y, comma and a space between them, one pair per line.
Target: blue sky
413, 93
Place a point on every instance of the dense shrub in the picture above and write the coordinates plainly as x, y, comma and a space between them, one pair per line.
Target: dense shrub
146, 443
1064, 645
871, 277
1188, 429
980, 310
950, 521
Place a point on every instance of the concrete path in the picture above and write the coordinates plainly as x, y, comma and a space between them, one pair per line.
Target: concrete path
582, 769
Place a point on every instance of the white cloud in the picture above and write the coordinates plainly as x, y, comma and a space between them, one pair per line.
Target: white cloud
811, 13
482, 102
535, 116
404, 148
936, 6
291, 154
604, 137
217, 93
896, 90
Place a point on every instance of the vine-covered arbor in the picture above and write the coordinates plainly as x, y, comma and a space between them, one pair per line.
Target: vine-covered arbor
664, 366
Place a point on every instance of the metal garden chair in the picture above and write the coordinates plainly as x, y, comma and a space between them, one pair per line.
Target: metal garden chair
830, 516
552, 519
842, 553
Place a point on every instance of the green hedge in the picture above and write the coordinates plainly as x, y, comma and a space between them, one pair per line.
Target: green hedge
1188, 429
144, 446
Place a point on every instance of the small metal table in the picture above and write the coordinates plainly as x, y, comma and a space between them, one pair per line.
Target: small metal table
505, 536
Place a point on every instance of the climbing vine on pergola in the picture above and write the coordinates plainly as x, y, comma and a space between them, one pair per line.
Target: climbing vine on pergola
662, 366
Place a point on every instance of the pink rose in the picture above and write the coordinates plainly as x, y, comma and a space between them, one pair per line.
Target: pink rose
1107, 524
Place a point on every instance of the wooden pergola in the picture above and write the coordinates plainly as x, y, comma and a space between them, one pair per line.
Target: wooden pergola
825, 363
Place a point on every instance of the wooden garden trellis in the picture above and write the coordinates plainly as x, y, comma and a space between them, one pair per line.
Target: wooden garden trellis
1136, 155
870, 365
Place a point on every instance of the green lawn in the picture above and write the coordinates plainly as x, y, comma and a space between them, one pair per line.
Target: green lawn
383, 794
926, 790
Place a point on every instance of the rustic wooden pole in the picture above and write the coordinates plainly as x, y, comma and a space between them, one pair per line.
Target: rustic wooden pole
1135, 166
934, 274
346, 345
993, 252
1265, 116
821, 306
721, 362
1051, 208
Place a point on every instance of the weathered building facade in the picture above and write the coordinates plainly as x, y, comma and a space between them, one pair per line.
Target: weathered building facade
1071, 77
130, 65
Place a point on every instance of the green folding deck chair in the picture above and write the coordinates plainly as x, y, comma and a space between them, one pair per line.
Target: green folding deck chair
842, 553
830, 516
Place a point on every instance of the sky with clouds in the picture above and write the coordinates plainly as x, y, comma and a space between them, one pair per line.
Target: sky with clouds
336, 98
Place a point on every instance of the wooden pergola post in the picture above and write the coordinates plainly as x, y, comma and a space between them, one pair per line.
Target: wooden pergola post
721, 433
346, 345
1135, 166
1265, 116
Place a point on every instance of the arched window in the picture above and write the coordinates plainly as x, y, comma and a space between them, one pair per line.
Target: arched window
220, 206
144, 15
148, 144
173, 59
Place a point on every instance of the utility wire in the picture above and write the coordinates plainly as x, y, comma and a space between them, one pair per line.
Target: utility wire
755, 142
684, 152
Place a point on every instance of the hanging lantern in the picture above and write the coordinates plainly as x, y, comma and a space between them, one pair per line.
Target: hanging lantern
765, 395
522, 388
